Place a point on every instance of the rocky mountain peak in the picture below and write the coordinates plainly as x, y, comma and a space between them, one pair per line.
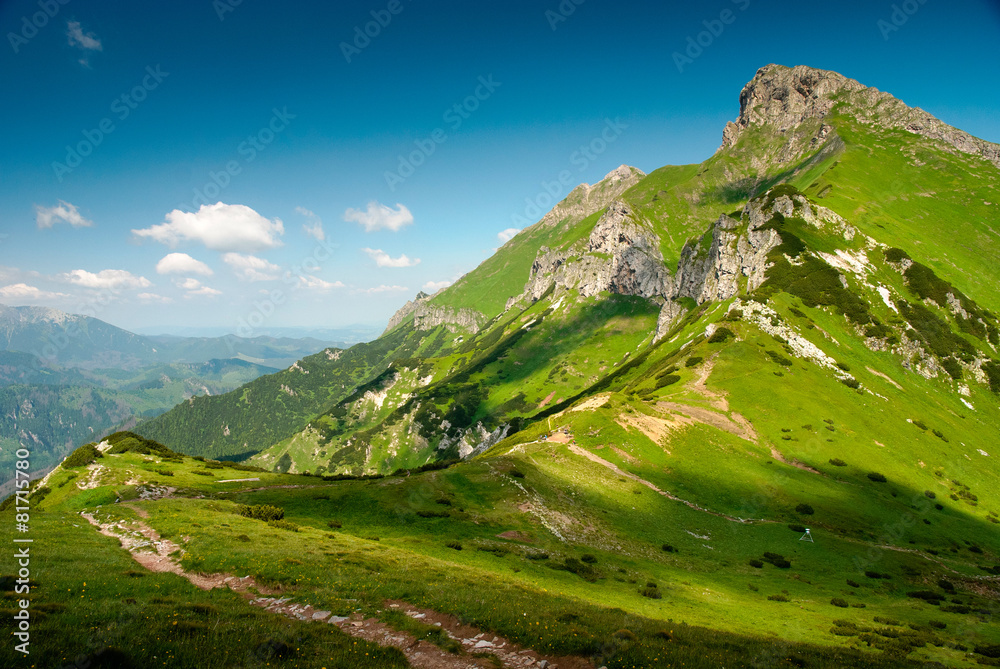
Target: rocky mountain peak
783, 98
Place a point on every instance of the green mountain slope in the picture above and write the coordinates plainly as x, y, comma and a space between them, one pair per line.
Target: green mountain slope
626, 419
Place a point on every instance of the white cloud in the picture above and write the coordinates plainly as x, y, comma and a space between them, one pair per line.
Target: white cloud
65, 212
383, 259
182, 263
251, 268
385, 289
109, 279
220, 227
22, 291
434, 286
316, 283
378, 217
314, 228
86, 41
194, 287
153, 297
507, 235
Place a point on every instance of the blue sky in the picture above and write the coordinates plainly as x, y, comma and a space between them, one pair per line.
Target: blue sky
261, 114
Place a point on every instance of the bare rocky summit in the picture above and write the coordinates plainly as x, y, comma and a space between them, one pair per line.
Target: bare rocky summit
784, 98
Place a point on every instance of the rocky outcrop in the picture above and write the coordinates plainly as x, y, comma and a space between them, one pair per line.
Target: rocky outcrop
619, 257
585, 199
403, 312
427, 316
785, 98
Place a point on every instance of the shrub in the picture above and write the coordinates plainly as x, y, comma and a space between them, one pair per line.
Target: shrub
335, 524
853, 584
804, 509
720, 336
432, 514
926, 595
164, 472
794, 527
937, 624
589, 559
838, 601
651, 592
843, 366
778, 358
455, 545
283, 525
929, 494
625, 635
517, 473
244, 538
875, 574
537, 556
82, 456
777, 560
693, 360
669, 549
756, 564
940, 435
851, 382
837, 462
876, 477
858, 605
261, 512
777, 598
887, 621
945, 584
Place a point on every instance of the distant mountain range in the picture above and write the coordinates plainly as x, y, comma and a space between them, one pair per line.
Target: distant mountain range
66, 377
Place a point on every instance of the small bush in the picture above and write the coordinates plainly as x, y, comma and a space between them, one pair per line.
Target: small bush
837, 462
244, 538
887, 621
625, 635
851, 382
777, 598
853, 584
517, 473
804, 509
651, 592
876, 477
937, 624
875, 574
283, 525
669, 549
945, 584
843, 366
797, 528
838, 601
720, 336
455, 545
692, 361
929, 494
261, 512
589, 559
858, 605
756, 564
82, 456
778, 358
335, 524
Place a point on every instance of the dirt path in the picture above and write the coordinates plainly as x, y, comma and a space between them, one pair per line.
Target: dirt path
157, 555
617, 470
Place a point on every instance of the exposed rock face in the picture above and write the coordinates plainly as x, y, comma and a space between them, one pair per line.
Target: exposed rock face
585, 199
733, 255
620, 257
784, 98
403, 312
427, 316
